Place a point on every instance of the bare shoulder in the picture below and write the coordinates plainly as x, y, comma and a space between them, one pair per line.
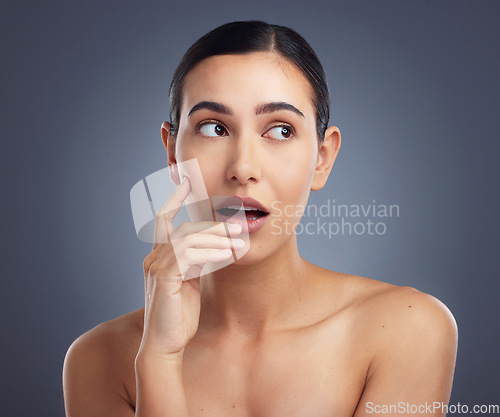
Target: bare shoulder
400, 321
402, 307
406, 309
408, 337
111, 337
100, 362
122, 327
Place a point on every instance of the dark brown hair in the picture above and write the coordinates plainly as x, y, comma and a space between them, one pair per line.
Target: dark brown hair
253, 36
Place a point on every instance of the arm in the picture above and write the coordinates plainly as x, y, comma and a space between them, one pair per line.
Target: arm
413, 368
91, 379
160, 391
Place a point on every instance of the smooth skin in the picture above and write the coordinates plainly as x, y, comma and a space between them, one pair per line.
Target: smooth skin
271, 334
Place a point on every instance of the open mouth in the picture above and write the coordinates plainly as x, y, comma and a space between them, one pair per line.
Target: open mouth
251, 213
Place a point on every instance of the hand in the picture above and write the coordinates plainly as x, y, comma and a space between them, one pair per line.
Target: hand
172, 305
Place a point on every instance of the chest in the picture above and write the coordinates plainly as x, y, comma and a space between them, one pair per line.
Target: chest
290, 376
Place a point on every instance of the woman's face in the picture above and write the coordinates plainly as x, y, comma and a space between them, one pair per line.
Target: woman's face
270, 155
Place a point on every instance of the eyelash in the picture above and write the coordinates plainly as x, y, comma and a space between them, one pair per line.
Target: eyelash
292, 130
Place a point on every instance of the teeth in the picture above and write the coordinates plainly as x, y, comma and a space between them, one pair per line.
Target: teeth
246, 208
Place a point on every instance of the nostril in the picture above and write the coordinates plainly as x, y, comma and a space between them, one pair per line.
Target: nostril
243, 178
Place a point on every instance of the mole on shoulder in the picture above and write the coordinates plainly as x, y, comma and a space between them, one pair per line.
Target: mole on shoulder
409, 306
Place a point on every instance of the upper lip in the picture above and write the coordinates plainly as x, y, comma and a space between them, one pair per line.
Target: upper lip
245, 201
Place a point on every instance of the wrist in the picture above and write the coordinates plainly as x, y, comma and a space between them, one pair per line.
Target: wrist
146, 357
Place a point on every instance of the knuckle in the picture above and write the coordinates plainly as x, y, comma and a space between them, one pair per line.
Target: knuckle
158, 264
159, 216
187, 252
147, 262
191, 240
188, 255
183, 227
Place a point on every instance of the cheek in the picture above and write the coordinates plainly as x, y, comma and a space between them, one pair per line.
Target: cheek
292, 189
212, 175
204, 176
209, 172
296, 177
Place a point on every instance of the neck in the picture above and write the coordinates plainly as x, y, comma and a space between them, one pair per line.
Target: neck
249, 300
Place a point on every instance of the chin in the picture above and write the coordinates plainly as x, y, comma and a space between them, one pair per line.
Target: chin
257, 253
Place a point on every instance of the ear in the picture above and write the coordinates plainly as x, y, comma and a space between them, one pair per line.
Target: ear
327, 152
169, 143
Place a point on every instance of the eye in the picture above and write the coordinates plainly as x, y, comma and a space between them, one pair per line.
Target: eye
282, 133
211, 128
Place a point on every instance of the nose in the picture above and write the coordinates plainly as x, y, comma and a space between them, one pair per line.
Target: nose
244, 166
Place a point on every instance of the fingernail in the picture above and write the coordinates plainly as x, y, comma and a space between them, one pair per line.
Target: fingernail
238, 243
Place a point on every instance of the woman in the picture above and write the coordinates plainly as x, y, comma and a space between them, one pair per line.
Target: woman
269, 334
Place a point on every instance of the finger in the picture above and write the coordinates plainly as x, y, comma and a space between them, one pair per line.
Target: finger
193, 275
200, 256
208, 227
202, 240
164, 218
164, 271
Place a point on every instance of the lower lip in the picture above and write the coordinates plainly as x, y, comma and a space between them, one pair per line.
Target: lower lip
249, 226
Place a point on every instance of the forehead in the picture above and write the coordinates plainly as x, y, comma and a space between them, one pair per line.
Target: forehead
243, 81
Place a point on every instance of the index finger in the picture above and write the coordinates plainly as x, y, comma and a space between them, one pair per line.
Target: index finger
164, 218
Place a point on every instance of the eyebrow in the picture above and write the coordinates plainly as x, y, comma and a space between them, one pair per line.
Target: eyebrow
260, 109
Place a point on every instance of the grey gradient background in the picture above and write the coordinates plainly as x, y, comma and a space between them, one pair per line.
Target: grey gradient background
415, 92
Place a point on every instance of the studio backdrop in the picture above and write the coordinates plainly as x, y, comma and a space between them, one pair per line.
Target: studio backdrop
414, 90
